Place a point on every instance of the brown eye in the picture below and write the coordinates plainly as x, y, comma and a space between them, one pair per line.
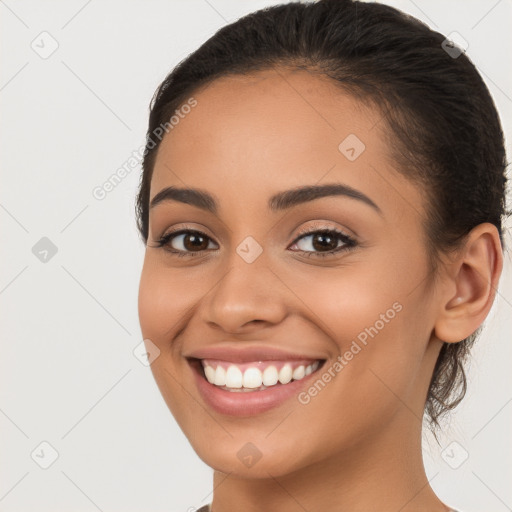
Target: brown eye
194, 241
185, 241
323, 242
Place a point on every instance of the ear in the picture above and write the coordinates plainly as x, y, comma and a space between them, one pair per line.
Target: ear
471, 285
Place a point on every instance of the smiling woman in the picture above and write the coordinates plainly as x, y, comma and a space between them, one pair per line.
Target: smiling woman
323, 230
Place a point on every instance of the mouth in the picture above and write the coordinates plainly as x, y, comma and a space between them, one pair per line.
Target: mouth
257, 375
248, 388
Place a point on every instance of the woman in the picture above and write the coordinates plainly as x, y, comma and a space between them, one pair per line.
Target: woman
321, 201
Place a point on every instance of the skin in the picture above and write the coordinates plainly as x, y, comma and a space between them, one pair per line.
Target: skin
356, 446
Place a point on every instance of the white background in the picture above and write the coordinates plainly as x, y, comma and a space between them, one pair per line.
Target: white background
67, 372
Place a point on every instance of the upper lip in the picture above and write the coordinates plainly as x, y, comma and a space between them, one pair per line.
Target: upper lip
248, 354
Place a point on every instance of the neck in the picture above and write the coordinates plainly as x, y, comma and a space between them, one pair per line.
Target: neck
385, 473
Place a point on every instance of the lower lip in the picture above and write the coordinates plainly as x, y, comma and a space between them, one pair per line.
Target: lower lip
248, 403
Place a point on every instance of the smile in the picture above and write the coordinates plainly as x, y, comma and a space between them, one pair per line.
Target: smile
251, 387
257, 375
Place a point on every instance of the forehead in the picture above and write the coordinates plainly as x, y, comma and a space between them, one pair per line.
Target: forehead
255, 134
260, 112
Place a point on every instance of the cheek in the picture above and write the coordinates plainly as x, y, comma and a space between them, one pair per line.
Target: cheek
160, 307
344, 302
162, 301
151, 302
378, 331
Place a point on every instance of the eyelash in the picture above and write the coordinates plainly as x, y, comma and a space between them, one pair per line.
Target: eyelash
349, 242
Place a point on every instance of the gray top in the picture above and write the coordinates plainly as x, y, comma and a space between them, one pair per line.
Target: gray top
207, 508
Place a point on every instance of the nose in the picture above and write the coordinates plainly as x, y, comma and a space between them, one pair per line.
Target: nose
248, 297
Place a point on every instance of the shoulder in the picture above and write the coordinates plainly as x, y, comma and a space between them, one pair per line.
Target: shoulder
206, 508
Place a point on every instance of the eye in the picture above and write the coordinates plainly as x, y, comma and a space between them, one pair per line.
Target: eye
320, 242
185, 242
323, 242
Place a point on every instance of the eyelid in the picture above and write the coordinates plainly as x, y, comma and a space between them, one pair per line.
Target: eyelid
185, 227
325, 226
303, 231
350, 241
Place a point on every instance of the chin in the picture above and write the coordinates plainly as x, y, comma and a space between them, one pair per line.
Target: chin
258, 460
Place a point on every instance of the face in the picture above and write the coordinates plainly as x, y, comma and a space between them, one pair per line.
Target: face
265, 277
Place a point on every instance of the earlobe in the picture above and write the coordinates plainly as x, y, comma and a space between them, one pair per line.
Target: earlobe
475, 275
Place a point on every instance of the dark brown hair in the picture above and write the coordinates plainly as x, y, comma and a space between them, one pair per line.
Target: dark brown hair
439, 113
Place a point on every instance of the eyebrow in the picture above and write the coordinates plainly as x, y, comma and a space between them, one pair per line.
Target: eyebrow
278, 202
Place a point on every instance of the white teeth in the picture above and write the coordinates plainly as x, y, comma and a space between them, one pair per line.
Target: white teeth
210, 374
285, 374
312, 367
270, 376
220, 376
233, 377
253, 378
298, 373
